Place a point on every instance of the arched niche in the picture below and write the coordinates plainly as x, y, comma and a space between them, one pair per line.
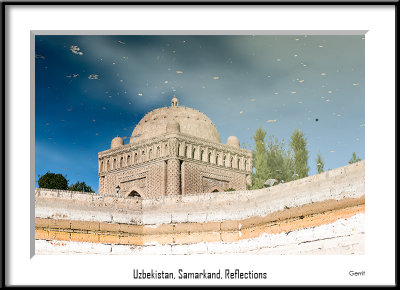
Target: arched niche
215, 189
134, 192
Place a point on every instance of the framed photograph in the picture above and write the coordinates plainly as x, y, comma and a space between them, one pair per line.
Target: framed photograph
209, 145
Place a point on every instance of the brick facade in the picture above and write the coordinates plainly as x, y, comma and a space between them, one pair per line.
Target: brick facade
173, 162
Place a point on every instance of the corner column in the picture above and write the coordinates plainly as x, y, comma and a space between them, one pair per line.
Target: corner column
173, 169
173, 177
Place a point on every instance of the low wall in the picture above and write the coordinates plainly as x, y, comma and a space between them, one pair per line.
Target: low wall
316, 205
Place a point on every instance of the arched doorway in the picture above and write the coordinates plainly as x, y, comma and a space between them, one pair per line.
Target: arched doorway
215, 189
134, 193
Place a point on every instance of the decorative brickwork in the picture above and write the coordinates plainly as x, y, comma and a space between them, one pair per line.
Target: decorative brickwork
211, 177
173, 177
165, 140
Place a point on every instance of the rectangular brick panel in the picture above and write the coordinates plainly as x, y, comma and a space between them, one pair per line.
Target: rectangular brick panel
59, 224
230, 225
41, 223
131, 229
41, 234
160, 239
80, 237
229, 236
85, 225
61, 236
194, 238
109, 227
161, 229
131, 240
109, 239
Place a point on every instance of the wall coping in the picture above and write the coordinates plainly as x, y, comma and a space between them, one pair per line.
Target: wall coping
324, 175
337, 186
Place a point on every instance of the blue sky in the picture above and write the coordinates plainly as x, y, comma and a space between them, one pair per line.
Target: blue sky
89, 89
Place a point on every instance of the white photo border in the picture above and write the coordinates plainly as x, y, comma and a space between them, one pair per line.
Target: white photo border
379, 258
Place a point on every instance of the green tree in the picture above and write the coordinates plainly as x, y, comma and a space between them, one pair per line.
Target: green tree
320, 163
279, 160
261, 171
298, 144
53, 181
354, 158
80, 186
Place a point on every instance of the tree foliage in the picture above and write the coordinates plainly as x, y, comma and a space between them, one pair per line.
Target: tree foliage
80, 186
320, 163
279, 160
261, 171
53, 181
271, 160
58, 181
298, 144
354, 158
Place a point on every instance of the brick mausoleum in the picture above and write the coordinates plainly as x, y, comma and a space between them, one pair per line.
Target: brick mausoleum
174, 150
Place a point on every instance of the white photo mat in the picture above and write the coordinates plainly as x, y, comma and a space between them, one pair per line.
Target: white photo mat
379, 258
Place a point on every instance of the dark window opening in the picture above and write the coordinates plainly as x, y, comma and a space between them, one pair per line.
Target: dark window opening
134, 193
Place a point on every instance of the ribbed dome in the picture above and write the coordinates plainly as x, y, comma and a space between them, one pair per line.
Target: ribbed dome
117, 142
190, 121
173, 127
233, 141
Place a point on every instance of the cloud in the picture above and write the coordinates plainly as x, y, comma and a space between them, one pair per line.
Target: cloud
93, 77
271, 121
75, 49
72, 76
39, 56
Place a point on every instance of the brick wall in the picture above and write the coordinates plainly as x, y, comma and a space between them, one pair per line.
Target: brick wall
315, 207
199, 178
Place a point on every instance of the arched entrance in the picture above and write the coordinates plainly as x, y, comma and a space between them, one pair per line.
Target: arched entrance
215, 189
135, 192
